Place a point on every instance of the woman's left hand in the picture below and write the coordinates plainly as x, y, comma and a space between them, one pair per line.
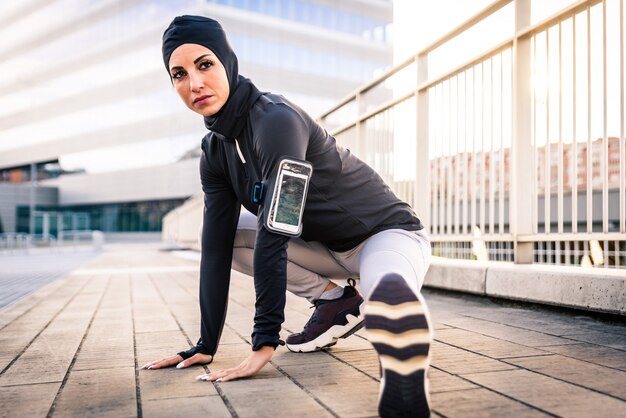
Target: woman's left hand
249, 367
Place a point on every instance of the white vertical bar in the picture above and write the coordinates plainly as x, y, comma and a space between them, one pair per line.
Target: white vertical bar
472, 177
422, 161
574, 155
605, 139
501, 151
522, 200
436, 143
589, 144
547, 163
359, 146
492, 175
457, 171
441, 159
622, 156
465, 157
482, 152
535, 154
449, 166
560, 146
443, 167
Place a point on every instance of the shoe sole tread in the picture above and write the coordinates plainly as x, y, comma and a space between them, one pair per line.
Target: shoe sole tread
402, 341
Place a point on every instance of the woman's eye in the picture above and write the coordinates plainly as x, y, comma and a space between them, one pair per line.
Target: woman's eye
178, 74
204, 65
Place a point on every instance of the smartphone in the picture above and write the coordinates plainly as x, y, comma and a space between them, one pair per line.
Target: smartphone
289, 197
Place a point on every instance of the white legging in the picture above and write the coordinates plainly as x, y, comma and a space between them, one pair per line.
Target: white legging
310, 265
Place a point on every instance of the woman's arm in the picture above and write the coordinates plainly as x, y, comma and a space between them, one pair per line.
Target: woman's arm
279, 132
221, 214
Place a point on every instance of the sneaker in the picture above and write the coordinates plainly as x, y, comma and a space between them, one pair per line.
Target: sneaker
397, 324
331, 320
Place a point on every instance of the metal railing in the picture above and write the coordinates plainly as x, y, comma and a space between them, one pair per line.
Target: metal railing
15, 242
517, 154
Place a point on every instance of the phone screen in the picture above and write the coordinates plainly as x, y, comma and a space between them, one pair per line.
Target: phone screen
290, 198
286, 209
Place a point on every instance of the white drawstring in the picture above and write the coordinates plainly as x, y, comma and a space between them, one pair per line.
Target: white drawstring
243, 160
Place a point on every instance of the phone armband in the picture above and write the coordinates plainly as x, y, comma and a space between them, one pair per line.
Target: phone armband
291, 185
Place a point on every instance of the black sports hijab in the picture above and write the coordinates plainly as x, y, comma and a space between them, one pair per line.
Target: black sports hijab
231, 118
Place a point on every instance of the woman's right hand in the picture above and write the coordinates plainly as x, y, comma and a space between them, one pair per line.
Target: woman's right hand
177, 360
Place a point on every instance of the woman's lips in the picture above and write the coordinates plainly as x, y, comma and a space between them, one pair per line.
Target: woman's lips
202, 100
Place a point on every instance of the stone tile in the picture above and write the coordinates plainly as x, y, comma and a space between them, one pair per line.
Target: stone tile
49, 356
582, 373
107, 357
458, 361
544, 322
478, 403
109, 342
284, 357
611, 328
364, 360
102, 393
271, 398
157, 345
46, 360
155, 321
19, 332
597, 354
441, 381
551, 395
353, 342
23, 306
201, 406
482, 344
617, 341
228, 336
334, 383
507, 333
27, 400
172, 383
5, 360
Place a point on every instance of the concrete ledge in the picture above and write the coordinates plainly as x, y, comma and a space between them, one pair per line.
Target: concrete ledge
574, 287
460, 275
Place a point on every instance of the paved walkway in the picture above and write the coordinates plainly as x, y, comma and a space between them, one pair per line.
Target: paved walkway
23, 273
73, 349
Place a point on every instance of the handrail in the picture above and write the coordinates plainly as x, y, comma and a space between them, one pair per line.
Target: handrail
563, 14
476, 18
568, 236
473, 61
472, 21
468, 64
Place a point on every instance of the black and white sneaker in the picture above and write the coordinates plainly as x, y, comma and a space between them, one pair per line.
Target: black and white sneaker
331, 320
397, 324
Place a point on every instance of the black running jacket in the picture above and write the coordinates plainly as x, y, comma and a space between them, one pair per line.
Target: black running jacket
347, 203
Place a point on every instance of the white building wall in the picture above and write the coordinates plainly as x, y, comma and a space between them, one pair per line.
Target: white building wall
172, 181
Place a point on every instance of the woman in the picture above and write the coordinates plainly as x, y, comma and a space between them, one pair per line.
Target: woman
352, 224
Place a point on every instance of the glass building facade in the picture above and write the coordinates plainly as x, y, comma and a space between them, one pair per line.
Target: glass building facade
112, 217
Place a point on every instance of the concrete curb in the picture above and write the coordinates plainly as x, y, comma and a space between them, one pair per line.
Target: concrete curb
590, 289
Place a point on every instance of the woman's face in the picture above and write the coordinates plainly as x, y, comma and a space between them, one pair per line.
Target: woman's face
199, 78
